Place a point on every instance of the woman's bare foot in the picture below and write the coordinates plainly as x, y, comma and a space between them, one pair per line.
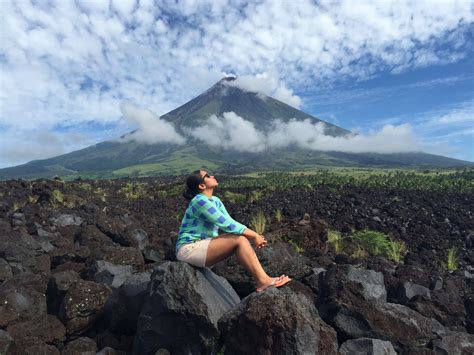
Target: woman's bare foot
273, 282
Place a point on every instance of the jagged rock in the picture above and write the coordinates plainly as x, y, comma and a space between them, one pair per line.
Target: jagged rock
110, 274
314, 280
83, 346
6, 342
454, 343
90, 236
40, 330
69, 253
139, 239
59, 284
276, 321
82, 304
152, 254
110, 351
409, 290
5, 270
445, 305
276, 259
126, 302
37, 349
64, 220
367, 346
356, 309
22, 298
123, 256
389, 321
23, 253
361, 283
182, 309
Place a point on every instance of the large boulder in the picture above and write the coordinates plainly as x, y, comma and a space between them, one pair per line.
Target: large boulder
83, 303
22, 298
454, 343
125, 304
276, 321
355, 307
36, 331
276, 259
182, 309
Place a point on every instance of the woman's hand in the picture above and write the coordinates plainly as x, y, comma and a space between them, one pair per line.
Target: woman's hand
260, 241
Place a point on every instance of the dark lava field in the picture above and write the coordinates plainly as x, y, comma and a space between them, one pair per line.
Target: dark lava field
89, 266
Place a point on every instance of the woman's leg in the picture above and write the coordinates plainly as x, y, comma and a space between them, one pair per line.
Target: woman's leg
225, 245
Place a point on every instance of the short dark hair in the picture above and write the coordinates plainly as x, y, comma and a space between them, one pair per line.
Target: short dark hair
192, 185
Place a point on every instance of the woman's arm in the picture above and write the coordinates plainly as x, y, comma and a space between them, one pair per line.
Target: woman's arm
205, 209
258, 239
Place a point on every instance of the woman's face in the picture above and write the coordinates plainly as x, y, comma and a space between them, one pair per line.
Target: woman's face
209, 181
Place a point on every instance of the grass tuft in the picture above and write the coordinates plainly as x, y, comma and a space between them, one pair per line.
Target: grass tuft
259, 222
335, 241
396, 251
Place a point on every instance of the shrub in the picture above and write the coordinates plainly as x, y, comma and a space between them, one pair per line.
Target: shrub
374, 242
278, 215
396, 251
259, 222
335, 241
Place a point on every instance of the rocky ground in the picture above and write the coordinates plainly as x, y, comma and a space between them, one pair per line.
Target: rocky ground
89, 266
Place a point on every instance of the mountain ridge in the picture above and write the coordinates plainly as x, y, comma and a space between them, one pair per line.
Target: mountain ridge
106, 158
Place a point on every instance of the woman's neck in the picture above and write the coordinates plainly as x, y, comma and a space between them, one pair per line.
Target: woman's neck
208, 192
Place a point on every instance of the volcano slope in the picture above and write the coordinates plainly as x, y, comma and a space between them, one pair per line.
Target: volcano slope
77, 260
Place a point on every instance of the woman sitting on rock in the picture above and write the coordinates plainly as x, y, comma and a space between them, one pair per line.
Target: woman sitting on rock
199, 243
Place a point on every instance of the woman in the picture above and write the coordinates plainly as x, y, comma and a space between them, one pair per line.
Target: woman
199, 243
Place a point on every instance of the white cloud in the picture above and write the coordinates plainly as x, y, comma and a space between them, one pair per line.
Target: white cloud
41, 144
267, 84
457, 115
234, 132
151, 129
229, 132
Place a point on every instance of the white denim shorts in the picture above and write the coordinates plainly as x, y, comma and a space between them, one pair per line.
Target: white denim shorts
194, 253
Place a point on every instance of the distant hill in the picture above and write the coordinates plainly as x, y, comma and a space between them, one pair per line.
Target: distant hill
116, 159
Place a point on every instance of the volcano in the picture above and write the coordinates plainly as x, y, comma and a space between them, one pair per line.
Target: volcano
130, 158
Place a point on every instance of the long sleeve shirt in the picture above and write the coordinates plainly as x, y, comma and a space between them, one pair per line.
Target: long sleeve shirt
203, 218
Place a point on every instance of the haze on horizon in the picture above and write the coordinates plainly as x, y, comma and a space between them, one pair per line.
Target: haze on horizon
398, 73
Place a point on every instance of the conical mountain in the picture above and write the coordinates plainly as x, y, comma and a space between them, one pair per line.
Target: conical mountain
259, 109
115, 159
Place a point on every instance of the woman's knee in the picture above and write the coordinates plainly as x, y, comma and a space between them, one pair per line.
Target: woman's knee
242, 240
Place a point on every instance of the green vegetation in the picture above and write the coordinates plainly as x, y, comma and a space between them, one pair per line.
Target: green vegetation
254, 196
452, 260
57, 198
278, 215
459, 181
133, 190
367, 242
259, 222
335, 241
181, 161
296, 247
234, 197
375, 243
397, 251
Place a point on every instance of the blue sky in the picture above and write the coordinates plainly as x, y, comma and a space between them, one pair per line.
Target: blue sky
392, 71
